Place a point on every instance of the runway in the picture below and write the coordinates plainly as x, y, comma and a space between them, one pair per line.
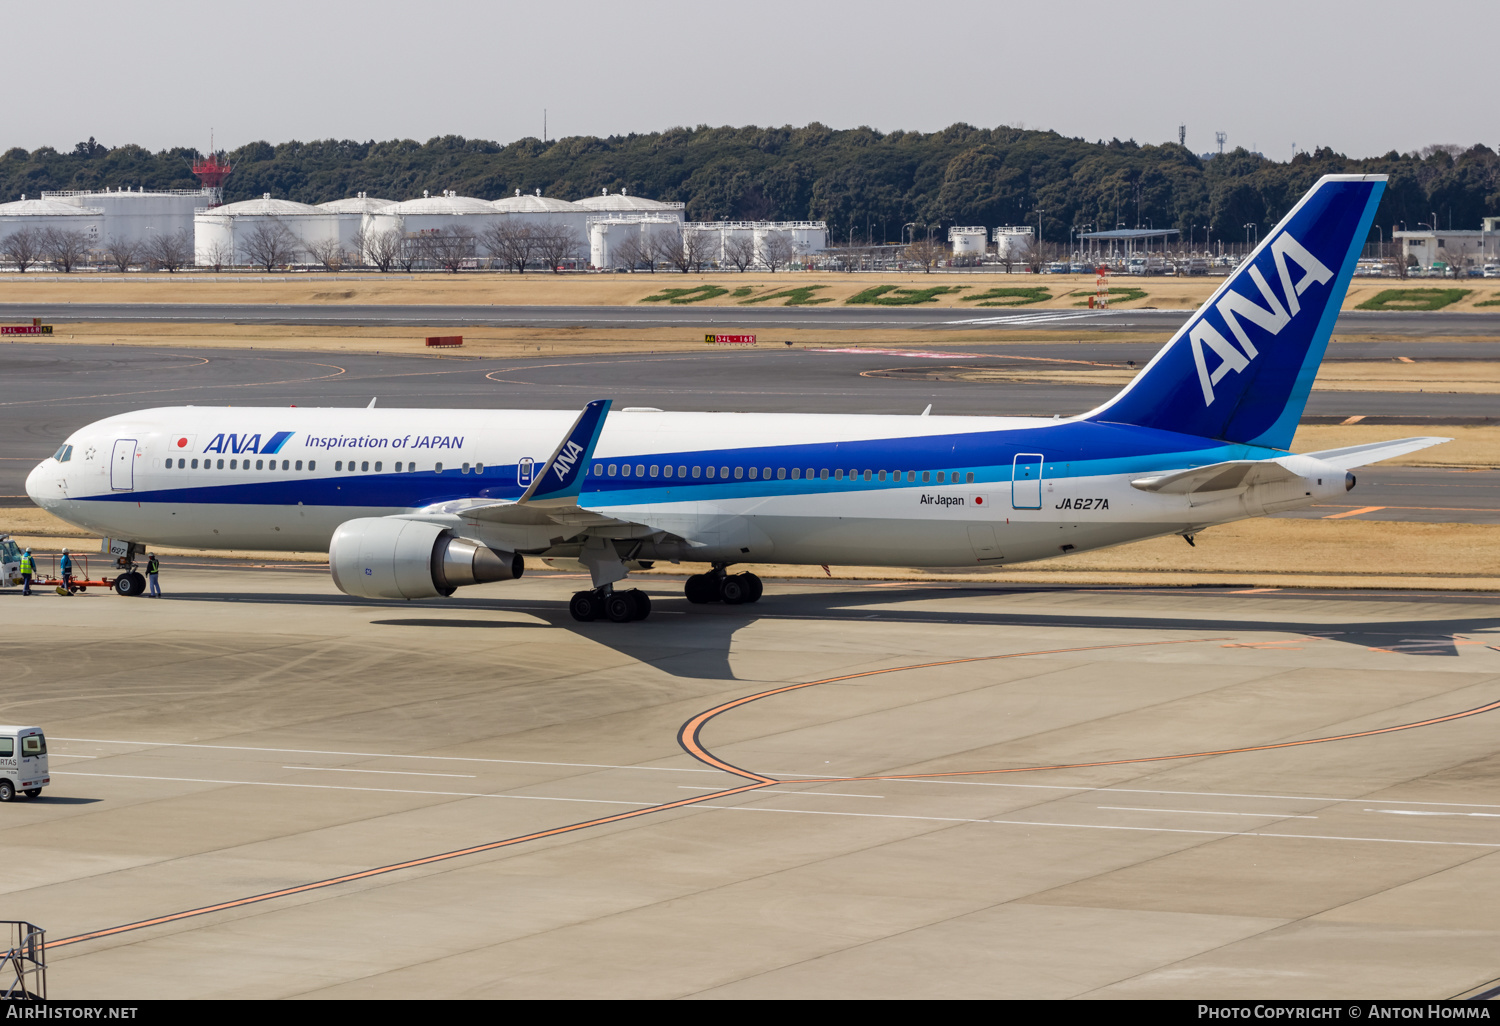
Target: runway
61, 387
846, 790
749, 318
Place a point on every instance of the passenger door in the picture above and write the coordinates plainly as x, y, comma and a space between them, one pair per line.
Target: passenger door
122, 465
1026, 481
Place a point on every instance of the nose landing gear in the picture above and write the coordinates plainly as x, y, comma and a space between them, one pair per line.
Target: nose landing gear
717, 586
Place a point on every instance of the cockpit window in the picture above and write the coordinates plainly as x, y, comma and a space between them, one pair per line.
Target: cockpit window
63, 454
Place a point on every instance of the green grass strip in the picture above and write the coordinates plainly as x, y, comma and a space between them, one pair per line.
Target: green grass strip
802, 296
1008, 297
693, 295
1124, 294
1414, 299
877, 295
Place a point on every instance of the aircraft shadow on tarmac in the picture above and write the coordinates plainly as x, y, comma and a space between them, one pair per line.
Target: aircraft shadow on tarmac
694, 641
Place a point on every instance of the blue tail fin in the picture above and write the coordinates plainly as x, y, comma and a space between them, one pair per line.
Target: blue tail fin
562, 477
1241, 368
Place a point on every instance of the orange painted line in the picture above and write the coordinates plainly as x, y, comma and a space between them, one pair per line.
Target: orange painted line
1351, 420
1477, 710
1406, 359
688, 737
1354, 512
1254, 591
284, 892
1430, 509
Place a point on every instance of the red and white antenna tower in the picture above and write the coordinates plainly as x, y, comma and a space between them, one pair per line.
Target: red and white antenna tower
212, 172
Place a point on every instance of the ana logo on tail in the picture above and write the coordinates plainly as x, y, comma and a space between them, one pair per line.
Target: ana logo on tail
1272, 317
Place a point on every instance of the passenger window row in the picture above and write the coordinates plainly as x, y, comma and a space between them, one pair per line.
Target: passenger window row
234, 464
754, 473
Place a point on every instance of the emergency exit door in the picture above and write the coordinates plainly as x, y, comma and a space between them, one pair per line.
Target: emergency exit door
1026, 481
122, 465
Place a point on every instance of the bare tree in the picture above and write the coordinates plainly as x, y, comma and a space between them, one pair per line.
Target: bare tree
379, 248
272, 244
739, 250
1456, 260
925, 253
24, 248
218, 255
451, 248
631, 251
556, 243
776, 250
698, 246
409, 251
327, 251
515, 244
169, 250
121, 253
65, 248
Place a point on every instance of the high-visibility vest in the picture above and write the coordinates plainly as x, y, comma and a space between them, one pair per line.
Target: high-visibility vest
27, 566
153, 567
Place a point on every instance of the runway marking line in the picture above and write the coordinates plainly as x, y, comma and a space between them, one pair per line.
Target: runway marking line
1354, 512
689, 738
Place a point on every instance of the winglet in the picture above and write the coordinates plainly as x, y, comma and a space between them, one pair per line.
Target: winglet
563, 475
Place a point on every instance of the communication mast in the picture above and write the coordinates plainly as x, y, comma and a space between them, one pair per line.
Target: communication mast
1182, 135
212, 172
1219, 137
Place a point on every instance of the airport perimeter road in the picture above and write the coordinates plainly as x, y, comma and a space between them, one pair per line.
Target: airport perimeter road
58, 388
262, 788
749, 318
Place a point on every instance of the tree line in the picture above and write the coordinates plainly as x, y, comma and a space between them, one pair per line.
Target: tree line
869, 186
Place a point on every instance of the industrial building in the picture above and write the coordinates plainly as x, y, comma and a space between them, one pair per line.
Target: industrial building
969, 242
623, 203
433, 214
610, 234
1013, 242
221, 235
544, 212
132, 216
45, 214
1424, 248
348, 217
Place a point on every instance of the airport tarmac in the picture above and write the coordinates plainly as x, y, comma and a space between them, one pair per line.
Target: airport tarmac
265, 789
750, 318
63, 386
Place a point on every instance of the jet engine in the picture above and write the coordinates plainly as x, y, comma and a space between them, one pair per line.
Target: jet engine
381, 557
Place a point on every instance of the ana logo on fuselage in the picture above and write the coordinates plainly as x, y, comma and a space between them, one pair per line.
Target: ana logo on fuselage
1272, 317
248, 443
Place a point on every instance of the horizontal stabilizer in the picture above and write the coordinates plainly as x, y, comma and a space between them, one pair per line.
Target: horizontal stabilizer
1216, 477
1352, 456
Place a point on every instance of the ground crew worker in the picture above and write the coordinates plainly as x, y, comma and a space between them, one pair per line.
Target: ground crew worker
66, 567
28, 567
153, 567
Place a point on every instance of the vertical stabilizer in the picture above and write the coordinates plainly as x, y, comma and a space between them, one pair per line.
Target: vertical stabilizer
1241, 368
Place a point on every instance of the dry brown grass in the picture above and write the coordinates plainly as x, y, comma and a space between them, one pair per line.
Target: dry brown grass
619, 289
1448, 376
1256, 553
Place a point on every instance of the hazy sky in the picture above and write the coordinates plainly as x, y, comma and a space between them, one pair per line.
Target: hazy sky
1358, 77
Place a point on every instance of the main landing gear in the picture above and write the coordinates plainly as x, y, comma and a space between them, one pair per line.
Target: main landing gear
605, 602
717, 586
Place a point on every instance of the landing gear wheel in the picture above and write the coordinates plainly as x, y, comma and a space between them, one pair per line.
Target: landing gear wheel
130, 585
701, 589
619, 608
753, 584
641, 603
585, 606
7, 791
33, 792
733, 590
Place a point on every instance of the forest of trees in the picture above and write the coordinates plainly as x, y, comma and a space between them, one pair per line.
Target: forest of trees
867, 185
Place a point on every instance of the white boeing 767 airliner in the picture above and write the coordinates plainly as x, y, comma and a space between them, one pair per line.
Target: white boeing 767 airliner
416, 503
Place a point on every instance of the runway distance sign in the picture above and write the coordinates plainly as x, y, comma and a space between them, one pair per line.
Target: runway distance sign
729, 340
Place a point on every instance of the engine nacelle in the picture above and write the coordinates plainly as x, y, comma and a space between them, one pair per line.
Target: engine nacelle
380, 557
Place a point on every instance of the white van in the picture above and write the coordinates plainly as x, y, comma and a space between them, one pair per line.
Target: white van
23, 762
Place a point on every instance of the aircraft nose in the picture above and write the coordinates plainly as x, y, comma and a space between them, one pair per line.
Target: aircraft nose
38, 482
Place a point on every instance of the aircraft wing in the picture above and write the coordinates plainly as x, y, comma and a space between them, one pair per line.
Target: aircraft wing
552, 497
1352, 456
